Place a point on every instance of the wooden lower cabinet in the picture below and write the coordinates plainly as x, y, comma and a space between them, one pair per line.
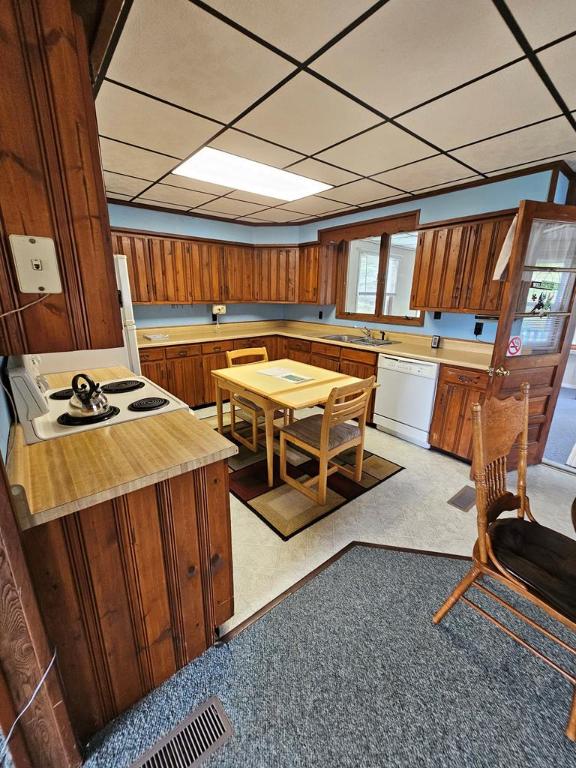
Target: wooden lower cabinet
355, 362
133, 589
298, 349
458, 390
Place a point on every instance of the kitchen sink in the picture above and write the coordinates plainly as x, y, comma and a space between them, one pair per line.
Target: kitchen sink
360, 340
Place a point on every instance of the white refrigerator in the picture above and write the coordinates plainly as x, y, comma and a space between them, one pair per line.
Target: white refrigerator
127, 312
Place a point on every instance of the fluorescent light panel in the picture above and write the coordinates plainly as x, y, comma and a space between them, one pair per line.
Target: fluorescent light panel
228, 170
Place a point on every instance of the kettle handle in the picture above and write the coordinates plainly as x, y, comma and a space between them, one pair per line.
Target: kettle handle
82, 393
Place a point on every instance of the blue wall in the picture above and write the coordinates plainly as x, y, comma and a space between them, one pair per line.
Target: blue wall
499, 195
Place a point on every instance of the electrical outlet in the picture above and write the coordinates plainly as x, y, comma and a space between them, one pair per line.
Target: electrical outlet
218, 309
478, 328
36, 264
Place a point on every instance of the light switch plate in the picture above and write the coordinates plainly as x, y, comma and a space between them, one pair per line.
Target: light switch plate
36, 264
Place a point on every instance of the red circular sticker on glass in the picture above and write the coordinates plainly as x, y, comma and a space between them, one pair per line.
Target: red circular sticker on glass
514, 346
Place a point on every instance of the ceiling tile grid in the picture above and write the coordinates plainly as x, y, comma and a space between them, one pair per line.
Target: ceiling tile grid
380, 100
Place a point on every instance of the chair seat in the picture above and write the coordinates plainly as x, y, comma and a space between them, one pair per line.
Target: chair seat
309, 429
247, 403
541, 558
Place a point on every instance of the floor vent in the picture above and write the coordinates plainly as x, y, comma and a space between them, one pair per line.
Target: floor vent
204, 730
464, 500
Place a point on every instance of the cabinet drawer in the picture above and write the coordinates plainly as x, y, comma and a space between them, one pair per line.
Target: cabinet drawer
466, 377
183, 350
217, 346
358, 356
298, 345
330, 350
150, 355
257, 341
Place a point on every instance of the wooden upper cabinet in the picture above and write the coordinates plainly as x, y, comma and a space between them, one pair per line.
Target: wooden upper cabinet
170, 268
317, 274
206, 279
51, 182
276, 274
238, 270
135, 248
454, 266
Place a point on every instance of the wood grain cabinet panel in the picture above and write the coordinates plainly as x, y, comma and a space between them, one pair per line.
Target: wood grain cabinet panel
185, 379
239, 273
132, 589
137, 253
458, 390
170, 268
156, 371
362, 365
206, 274
317, 274
276, 272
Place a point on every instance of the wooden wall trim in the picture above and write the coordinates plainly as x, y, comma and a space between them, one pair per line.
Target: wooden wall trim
25, 654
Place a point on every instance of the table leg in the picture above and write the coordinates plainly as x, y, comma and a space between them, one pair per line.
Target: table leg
219, 407
269, 425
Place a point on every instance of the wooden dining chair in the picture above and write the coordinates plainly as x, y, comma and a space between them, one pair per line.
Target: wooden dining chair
254, 409
329, 434
536, 562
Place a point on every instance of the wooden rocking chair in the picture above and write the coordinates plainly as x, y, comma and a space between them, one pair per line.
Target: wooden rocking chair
536, 562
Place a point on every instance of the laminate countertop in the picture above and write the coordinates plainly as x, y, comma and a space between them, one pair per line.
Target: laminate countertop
470, 354
57, 477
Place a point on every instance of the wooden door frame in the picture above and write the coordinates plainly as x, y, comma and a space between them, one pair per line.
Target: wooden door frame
44, 737
528, 210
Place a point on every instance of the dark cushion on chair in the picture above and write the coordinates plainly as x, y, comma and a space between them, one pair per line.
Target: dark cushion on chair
246, 403
308, 430
543, 559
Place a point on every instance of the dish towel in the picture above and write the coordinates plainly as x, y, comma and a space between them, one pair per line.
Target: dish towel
505, 251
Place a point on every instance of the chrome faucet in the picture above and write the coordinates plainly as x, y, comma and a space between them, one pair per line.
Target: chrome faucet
367, 332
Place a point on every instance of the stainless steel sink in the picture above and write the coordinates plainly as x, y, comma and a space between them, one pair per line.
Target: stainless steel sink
360, 340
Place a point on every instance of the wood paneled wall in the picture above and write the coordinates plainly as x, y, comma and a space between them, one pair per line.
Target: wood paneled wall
51, 181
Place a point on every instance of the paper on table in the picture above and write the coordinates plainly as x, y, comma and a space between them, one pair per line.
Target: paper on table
285, 374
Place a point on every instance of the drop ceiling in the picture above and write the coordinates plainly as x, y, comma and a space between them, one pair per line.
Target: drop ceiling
382, 100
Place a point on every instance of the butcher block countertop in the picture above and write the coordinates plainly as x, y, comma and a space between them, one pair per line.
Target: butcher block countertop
470, 354
57, 477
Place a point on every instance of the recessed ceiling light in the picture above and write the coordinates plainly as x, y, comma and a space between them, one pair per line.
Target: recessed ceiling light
228, 170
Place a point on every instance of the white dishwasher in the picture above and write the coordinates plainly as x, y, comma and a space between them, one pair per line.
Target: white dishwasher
405, 397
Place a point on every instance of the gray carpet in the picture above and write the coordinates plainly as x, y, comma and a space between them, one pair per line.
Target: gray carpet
349, 672
562, 435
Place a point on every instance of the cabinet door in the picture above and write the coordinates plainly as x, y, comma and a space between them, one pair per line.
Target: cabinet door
317, 274
298, 349
156, 371
439, 268
169, 263
277, 274
139, 269
239, 274
205, 265
481, 293
186, 379
362, 368
323, 361
211, 363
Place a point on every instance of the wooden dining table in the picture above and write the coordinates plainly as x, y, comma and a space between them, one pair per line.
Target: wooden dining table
288, 384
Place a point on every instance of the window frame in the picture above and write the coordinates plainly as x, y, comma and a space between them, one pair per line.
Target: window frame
378, 315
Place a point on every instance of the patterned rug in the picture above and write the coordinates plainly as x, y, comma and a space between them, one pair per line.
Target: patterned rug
284, 509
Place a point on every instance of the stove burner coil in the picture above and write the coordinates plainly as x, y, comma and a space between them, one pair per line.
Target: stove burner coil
66, 420
148, 404
119, 387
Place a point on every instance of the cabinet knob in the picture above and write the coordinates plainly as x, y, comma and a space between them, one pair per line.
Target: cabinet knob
215, 560
191, 571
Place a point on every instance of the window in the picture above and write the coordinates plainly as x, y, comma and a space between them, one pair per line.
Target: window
379, 273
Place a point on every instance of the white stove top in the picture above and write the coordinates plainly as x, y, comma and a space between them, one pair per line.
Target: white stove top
47, 427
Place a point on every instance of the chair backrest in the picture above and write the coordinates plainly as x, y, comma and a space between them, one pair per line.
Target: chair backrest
345, 403
498, 425
239, 356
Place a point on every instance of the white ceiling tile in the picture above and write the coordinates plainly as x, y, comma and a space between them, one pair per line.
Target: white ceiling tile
508, 99
433, 171
455, 182
412, 50
560, 63
118, 196
182, 54
137, 119
218, 214
544, 20
281, 22
383, 201
122, 158
314, 169
199, 186
312, 205
125, 185
358, 192
238, 143
160, 204
176, 195
525, 146
236, 207
377, 150
278, 215
251, 197
307, 115
539, 161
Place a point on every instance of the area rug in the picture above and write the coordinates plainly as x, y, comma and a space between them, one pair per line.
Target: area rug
350, 672
284, 509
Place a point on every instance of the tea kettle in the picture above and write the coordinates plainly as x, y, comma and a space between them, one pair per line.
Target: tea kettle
88, 399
